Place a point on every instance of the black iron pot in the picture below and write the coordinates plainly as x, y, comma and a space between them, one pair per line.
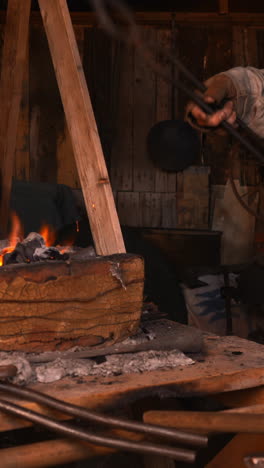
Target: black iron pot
173, 145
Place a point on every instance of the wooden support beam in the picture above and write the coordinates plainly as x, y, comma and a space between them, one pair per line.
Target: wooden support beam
86, 144
11, 81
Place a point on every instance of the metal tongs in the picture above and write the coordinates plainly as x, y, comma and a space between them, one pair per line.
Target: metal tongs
251, 142
73, 431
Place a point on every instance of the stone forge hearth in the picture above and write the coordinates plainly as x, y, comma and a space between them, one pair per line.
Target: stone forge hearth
80, 301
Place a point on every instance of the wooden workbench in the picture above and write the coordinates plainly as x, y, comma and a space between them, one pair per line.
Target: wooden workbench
228, 365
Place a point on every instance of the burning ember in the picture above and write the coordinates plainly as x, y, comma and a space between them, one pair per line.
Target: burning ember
34, 248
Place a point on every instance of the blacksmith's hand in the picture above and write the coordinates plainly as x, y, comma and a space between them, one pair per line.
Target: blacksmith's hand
198, 118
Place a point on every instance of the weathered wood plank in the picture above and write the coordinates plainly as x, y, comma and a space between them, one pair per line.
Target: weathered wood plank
218, 51
186, 212
169, 218
208, 421
48, 453
58, 305
46, 111
154, 461
216, 372
11, 82
192, 213
102, 64
252, 47
196, 181
238, 46
223, 7
192, 52
244, 46
163, 18
66, 166
89, 157
193, 198
150, 209
22, 160
67, 172
122, 150
164, 181
144, 116
128, 208
260, 47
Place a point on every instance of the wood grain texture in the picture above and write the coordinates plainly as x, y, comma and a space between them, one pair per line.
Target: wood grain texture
244, 398
208, 421
144, 116
218, 51
169, 216
223, 7
238, 46
66, 166
217, 370
22, 159
163, 18
87, 148
122, 150
45, 110
192, 202
11, 85
151, 461
164, 181
128, 204
234, 452
150, 209
50, 453
59, 305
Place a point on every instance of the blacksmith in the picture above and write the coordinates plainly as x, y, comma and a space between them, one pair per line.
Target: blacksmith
242, 89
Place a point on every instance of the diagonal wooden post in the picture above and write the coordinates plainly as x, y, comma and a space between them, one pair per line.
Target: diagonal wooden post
80, 118
11, 81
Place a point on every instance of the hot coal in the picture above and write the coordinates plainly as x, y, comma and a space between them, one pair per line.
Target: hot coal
33, 249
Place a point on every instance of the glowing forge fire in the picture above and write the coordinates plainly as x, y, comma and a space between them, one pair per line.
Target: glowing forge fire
16, 236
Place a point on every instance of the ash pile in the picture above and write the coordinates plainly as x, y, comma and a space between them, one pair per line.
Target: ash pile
51, 367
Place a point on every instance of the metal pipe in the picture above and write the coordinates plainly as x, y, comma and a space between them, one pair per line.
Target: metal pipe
180, 437
70, 430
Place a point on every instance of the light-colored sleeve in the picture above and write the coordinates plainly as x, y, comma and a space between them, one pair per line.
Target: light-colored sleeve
248, 83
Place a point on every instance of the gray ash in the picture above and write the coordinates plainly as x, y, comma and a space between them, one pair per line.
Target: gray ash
33, 249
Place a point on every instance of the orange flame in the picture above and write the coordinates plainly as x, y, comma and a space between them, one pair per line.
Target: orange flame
15, 236
48, 235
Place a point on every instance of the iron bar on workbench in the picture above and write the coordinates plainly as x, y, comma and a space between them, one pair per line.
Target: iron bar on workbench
82, 413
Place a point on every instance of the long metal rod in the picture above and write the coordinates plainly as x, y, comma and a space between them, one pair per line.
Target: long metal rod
82, 413
70, 430
134, 38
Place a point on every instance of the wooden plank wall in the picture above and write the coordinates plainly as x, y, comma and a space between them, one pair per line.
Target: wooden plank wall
128, 98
